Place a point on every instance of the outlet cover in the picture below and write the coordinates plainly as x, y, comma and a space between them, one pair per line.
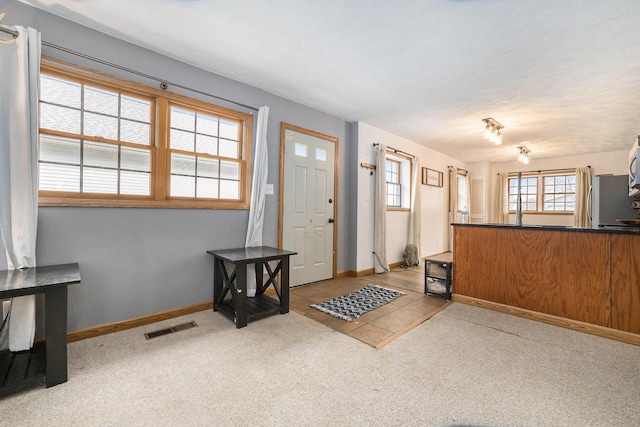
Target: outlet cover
268, 189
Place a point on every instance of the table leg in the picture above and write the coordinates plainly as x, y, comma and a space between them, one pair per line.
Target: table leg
259, 275
217, 281
240, 300
284, 285
55, 312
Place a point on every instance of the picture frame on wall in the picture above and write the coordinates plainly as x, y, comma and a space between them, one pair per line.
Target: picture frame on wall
432, 177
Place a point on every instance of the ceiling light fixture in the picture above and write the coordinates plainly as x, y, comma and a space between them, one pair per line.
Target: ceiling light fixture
523, 156
492, 131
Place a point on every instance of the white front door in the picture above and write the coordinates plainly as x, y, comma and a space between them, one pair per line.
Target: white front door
308, 205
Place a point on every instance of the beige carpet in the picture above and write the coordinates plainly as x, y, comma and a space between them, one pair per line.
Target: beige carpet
465, 366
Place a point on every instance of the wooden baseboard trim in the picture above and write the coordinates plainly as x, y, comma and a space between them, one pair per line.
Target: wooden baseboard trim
122, 325
575, 325
365, 272
347, 273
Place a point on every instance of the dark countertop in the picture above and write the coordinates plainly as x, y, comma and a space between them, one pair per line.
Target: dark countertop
610, 230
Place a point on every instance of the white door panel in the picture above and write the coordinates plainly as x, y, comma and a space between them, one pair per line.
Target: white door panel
308, 206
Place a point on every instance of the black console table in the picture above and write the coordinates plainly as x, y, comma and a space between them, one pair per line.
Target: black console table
46, 361
240, 308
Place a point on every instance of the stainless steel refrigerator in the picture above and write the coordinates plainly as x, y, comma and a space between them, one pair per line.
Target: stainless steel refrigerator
610, 200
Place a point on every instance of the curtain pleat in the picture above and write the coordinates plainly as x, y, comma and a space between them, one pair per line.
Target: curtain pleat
20, 61
453, 202
258, 190
583, 185
502, 213
380, 213
414, 213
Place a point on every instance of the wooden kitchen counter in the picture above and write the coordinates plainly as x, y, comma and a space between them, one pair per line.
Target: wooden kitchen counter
583, 279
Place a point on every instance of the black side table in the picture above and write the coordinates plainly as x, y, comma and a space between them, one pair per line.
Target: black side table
240, 308
46, 361
437, 275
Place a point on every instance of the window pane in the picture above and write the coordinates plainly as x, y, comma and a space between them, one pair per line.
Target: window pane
59, 118
135, 159
58, 149
100, 154
206, 144
300, 149
59, 177
183, 186
136, 183
96, 180
229, 189
183, 119
207, 125
321, 154
228, 130
58, 91
230, 148
229, 170
99, 125
184, 165
100, 101
208, 167
135, 132
135, 109
182, 140
207, 188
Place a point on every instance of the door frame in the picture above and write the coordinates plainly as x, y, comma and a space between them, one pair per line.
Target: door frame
283, 128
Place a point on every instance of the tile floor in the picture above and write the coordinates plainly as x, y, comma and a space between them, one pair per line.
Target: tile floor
382, 325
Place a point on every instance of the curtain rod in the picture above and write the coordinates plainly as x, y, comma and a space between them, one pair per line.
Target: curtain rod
9, 31
545, 170
395, 150
164, 84
463, 170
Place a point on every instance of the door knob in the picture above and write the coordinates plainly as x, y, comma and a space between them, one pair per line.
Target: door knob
331, 221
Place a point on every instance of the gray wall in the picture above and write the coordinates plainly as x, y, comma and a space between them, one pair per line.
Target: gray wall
140, 261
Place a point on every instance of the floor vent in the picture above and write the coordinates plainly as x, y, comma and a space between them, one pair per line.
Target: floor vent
171, 330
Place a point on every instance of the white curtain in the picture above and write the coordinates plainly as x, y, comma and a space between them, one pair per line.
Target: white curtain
583, 184
414, 214
453, 202
258, 189
20, 59
380, 213
502, 211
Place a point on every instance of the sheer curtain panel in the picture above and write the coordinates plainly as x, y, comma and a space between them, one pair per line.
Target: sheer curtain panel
20, 59
502, 213
583, 185
414, 213
380, 263
453, 202
258, 189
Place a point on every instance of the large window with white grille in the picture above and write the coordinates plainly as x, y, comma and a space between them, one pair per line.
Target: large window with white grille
109, 142
398, 177
544, 192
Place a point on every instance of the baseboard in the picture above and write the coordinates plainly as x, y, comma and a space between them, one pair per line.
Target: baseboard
122, 325
347, 273
575, 325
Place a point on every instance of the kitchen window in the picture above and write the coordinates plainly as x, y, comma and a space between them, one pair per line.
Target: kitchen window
544, 193
105, 141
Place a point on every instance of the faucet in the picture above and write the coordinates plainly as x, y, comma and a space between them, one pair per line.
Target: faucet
519, 202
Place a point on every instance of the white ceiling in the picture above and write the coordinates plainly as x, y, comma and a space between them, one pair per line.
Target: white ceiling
563, 77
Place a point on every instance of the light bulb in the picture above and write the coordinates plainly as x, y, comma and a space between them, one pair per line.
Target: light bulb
497, 140
487, 132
